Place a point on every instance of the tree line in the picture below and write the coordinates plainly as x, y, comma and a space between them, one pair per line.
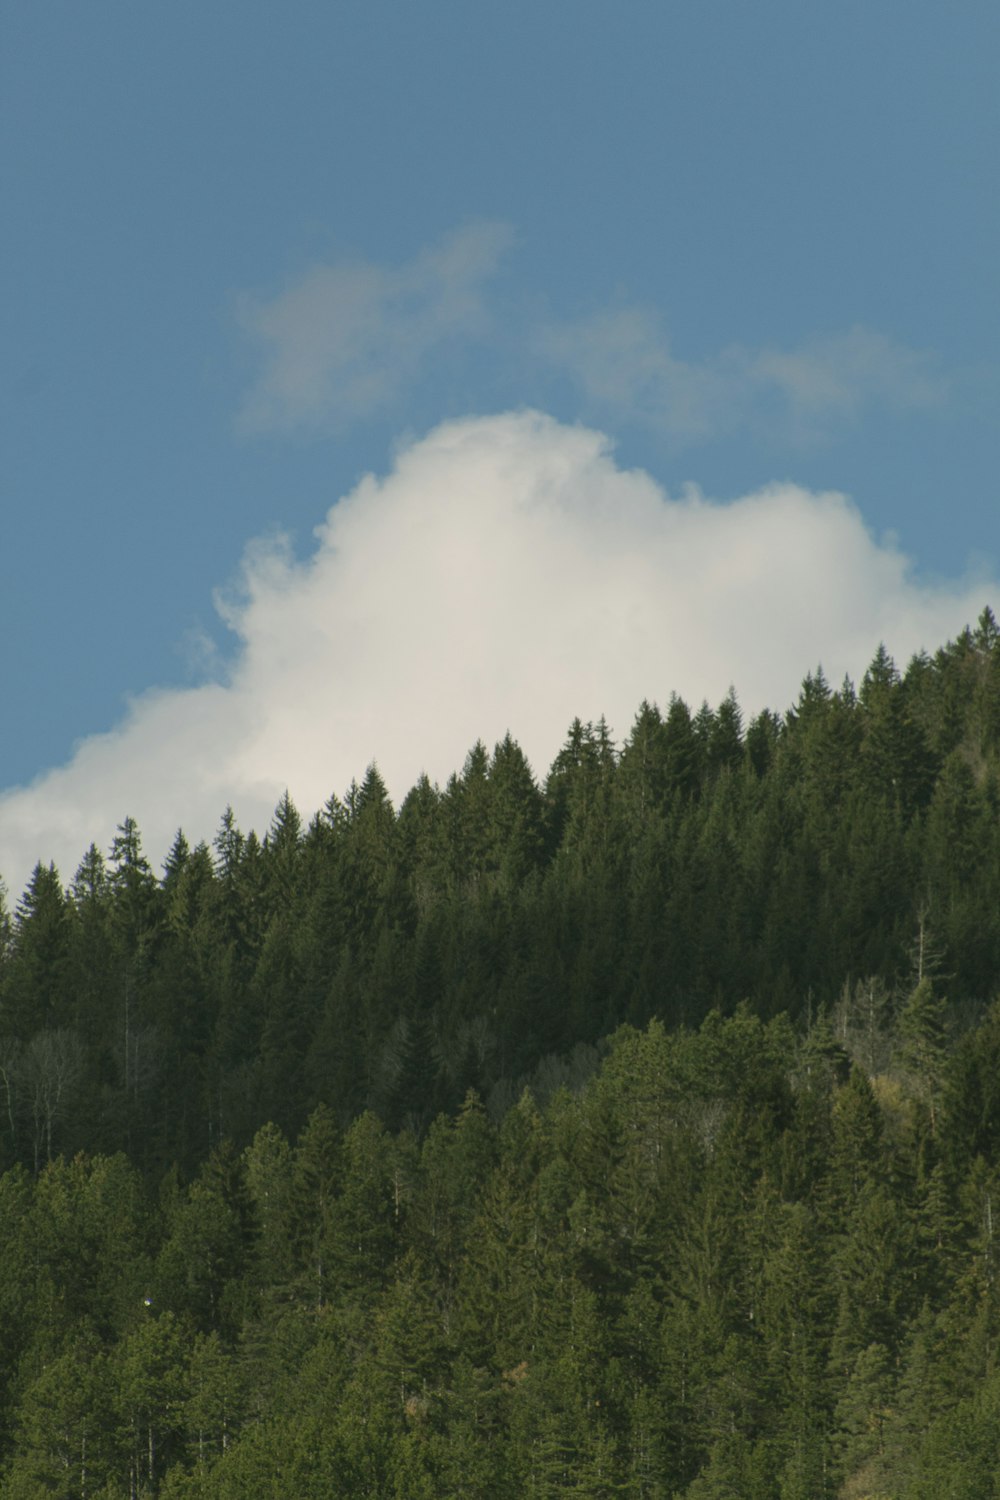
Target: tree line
629, 1132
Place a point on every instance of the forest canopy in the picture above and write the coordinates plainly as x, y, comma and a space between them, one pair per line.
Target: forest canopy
632, 1131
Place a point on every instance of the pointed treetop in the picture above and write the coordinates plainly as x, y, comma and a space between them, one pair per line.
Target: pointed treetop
180, 853
126, 850
678, 725
286, 825
228, 844
725, 744
814, 696
703, 723
476, 764
571, 752
604, 741
43, 889
880, 677
763, 733
647, 720
509, 764
847, 693
987, 634
90, 882
374, 792
333, 814
423, 796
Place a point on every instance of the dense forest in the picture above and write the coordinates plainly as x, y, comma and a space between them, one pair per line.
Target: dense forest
632, 1132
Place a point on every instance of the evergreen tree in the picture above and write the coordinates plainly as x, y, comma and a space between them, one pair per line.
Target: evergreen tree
65, 1427
39, 965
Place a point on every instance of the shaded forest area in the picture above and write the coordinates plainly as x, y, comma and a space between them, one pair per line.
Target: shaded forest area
635, 1133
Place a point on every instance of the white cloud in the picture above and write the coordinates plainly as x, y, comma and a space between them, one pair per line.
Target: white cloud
623, 363
505, 574
344, 339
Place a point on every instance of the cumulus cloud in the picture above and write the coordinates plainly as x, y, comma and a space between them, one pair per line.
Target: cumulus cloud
345, 339
623, 363
506, 574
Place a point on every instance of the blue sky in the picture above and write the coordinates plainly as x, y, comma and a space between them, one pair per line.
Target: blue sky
252, 253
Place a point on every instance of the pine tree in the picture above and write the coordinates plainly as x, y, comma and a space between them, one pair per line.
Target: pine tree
642, 770
316, 1176
37, 988
212, 1410
267, 1164
364, 1217
149, 1371
65, 1427
921, 1036
725, 742
282, 859
516, 811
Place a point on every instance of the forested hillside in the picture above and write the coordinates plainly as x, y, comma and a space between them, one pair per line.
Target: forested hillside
634, 1132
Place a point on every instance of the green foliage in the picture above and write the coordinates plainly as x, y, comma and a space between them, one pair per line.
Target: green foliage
608, 1135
